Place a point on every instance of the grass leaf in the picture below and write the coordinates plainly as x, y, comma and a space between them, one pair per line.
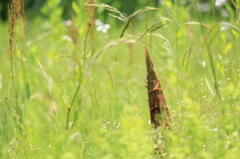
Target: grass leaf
28, 93
153, 28
137, 13
65, 94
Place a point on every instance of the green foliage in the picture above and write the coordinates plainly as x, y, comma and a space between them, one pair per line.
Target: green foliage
196, 58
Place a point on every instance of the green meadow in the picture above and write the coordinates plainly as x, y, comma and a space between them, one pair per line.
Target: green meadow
76, 88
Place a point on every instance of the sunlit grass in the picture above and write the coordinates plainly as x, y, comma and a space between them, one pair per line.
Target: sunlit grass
199, 71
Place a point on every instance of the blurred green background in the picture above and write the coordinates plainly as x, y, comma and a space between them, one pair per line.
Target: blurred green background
195, 54
32, 7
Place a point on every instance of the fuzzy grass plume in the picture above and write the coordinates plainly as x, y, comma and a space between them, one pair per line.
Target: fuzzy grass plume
159, 112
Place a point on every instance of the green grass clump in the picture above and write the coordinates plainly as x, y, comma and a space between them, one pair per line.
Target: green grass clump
69, 100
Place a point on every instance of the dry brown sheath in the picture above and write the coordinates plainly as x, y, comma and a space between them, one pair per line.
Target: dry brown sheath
159, 112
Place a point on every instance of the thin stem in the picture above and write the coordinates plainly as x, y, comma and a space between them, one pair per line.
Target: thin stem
68, 115
69, 109
85, 44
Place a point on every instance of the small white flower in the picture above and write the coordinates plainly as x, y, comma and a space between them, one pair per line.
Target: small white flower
235, 133
67, 38
159, 141
223, 28
67, 22
204, 7
101, 27
28, 43
224, 13
98, 22
203, 64
219, 3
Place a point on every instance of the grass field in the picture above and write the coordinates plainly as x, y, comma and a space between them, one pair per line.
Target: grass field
75, 92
